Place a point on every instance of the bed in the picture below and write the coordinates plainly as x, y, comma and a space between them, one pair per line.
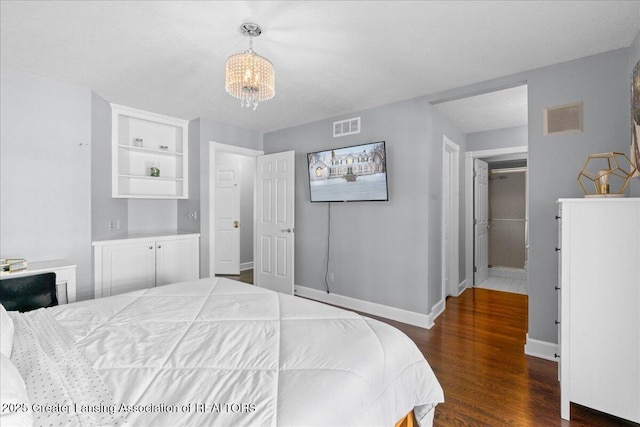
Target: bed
213, 352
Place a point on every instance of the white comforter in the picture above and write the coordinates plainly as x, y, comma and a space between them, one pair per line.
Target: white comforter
218, 352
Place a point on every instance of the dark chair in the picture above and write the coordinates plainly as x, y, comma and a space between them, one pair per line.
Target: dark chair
28, 293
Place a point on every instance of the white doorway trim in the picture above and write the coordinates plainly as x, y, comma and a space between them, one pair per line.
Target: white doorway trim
451, 212
514, 153
216, 147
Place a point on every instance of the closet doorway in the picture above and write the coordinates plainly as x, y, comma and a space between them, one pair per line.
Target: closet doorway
507, 234
502, 255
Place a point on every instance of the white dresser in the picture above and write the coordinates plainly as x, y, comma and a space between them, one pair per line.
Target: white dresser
143, 261
599, 305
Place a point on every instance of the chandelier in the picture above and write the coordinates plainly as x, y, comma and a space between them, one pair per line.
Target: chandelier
250, 77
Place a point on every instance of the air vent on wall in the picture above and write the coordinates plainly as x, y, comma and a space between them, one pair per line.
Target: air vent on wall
563, 119
346, 127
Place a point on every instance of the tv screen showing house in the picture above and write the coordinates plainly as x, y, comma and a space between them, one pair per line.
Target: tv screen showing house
349, 174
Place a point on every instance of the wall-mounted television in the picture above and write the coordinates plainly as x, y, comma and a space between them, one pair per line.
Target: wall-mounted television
349, 174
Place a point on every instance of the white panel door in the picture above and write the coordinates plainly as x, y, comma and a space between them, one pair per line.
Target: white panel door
481, 214
128, 267
275, 226
227, 213
177, 260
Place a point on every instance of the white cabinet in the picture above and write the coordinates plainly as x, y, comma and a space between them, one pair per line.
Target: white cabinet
177, 260
142, 262
149, 155
599, 340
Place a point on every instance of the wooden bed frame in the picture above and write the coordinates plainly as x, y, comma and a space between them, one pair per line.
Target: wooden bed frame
408, 420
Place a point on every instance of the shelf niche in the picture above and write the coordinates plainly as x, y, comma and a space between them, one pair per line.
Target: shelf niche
142, 140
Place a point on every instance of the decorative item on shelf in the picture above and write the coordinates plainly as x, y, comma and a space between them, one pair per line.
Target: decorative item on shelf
13, 264
154, 171
609, 177
249, 77
138, 142
163, 147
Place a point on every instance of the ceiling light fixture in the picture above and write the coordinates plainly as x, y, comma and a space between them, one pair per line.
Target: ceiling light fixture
250, 77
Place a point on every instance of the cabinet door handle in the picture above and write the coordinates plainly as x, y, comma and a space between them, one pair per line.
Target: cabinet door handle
557, 288
150, 247
557, 249
557, 322
558, 217
556, 355
159, 246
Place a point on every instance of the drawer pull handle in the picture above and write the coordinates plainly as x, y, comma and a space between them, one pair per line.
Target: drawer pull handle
557, 249
557, 322
556, 355
558, 217
557, 288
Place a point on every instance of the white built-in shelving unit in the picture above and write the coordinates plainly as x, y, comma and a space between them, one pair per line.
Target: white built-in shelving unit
142, 140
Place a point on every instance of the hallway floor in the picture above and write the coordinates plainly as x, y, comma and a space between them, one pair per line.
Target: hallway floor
504, 284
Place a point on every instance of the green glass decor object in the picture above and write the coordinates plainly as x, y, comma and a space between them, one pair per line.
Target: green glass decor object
154, 171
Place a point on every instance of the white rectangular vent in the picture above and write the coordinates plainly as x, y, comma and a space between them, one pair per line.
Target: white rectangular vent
563, 119
346, 127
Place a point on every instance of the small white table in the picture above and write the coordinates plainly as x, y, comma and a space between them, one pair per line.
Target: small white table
65, 277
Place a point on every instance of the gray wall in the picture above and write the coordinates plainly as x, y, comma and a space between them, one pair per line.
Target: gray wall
151, 216
192, 204
45, 176
207, 131
135, 215
602, 83
104, 208
498, 138
382, 252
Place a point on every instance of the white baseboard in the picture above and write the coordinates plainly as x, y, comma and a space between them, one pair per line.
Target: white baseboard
462, 287
246, 265
437, 310
541, 349
393, 313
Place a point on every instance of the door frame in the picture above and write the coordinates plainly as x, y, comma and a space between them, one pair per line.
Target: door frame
453, 211
514, 153
224, 148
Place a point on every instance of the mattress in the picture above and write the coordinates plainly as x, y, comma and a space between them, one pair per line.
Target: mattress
215, 352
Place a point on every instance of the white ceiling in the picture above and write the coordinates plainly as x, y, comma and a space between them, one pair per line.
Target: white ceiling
331, 57
495, 110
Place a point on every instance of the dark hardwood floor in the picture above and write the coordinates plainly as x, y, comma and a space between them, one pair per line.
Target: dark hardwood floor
476, 350
245, 276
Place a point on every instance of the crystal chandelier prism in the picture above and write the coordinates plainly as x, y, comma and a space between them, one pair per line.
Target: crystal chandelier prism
250, 77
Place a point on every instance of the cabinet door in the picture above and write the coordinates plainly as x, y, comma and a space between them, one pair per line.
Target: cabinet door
127, 267
177, 260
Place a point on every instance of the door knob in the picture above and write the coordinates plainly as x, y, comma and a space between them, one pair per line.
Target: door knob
286, 230
236, 224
